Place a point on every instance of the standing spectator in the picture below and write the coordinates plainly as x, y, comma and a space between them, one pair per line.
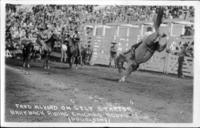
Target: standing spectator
181, 54
76, 38
64, 51
88, 54
113, 53
188, 31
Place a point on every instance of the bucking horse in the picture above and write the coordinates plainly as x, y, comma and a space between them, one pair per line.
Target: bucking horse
144, 50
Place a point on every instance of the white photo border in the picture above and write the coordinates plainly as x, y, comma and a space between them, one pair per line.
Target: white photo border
196, 63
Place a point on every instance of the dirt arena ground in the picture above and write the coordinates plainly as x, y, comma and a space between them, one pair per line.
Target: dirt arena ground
147, 97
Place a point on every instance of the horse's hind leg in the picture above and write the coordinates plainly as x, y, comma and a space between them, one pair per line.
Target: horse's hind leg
132, 67
24, 64
72, 61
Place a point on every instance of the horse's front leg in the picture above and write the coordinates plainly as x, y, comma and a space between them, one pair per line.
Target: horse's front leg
69, 60
132, 67
24, 60
28, 60
45, 62
72, 61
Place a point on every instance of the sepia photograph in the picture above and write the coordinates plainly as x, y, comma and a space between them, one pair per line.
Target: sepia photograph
87, 62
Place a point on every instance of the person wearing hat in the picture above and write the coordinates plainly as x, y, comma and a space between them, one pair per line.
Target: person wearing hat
76, 38
181, 55
113, 53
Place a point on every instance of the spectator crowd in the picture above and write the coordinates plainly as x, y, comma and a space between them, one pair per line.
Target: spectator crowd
28, 22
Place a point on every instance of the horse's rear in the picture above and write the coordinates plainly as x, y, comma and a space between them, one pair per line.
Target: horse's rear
27, 52
121, 59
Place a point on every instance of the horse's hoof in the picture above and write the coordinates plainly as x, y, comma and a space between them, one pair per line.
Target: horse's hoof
122, 80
